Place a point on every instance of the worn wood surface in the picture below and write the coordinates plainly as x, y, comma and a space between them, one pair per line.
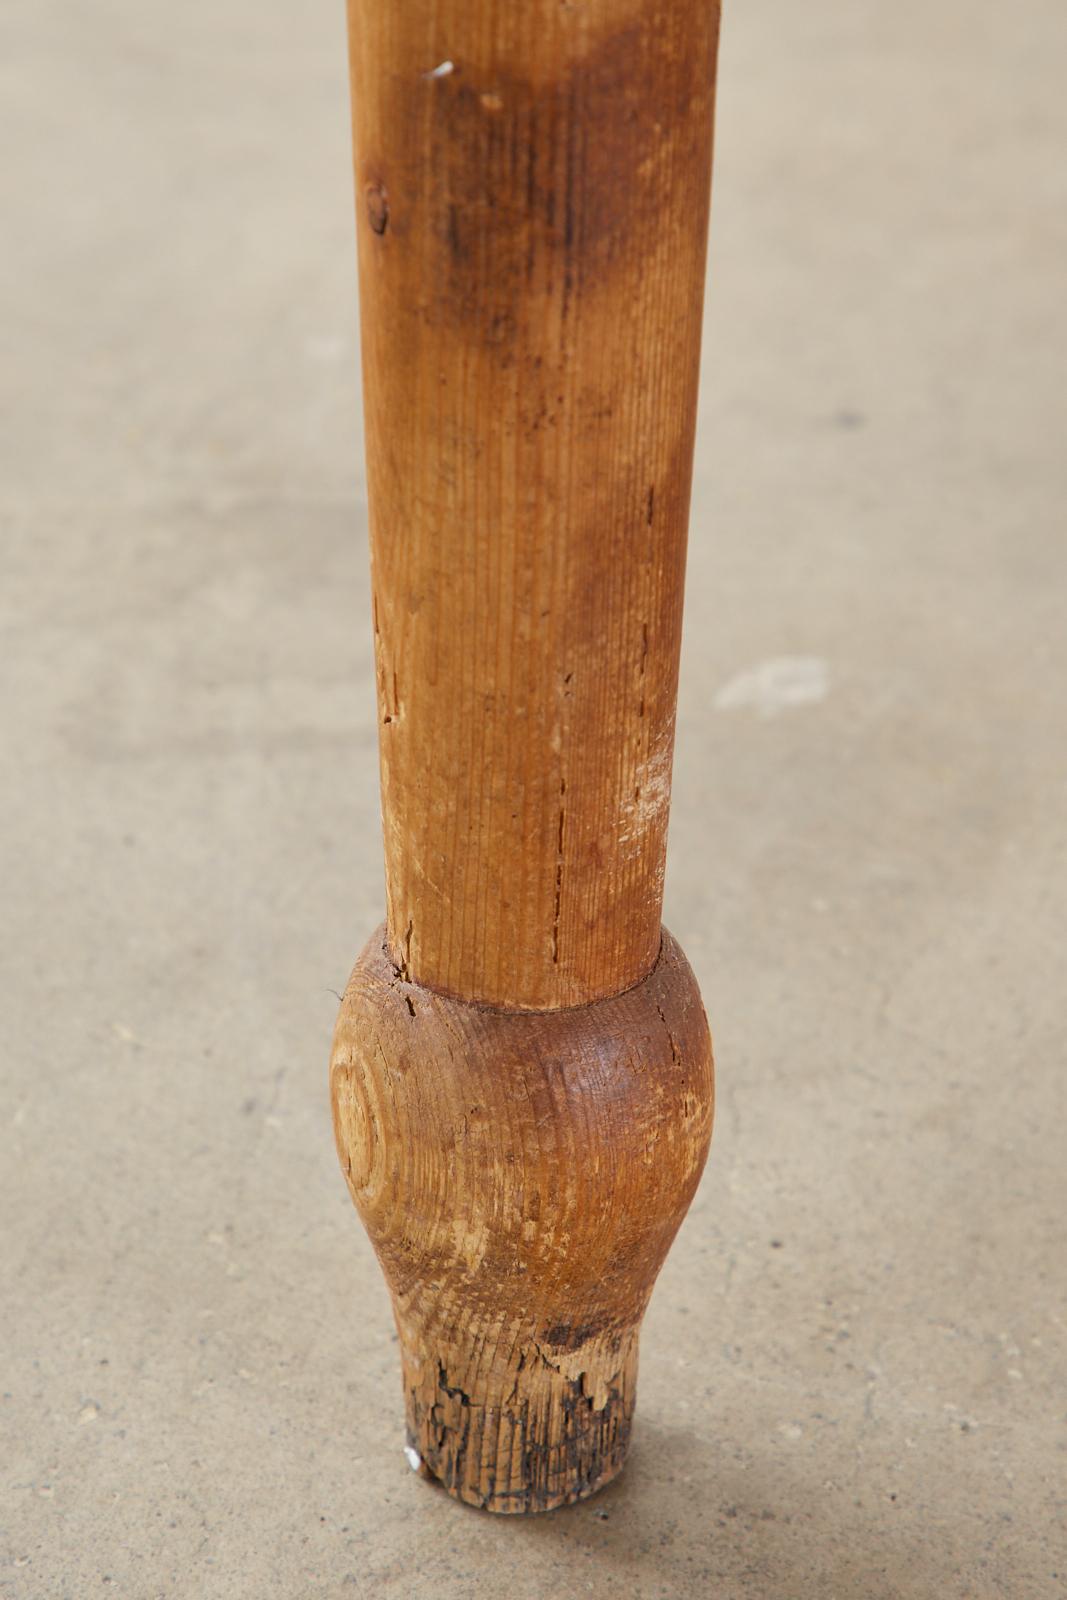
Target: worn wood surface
521, 1176
532, 200
522, 1069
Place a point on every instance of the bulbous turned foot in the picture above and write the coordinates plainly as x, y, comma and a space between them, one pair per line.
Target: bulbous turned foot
521, 1176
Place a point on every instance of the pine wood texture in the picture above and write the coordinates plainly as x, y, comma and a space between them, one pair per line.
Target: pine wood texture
532, 202
521, 1076
521, 1176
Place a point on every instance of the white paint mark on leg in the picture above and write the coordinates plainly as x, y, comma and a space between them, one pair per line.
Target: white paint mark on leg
414, 1459
441, 71
780, 684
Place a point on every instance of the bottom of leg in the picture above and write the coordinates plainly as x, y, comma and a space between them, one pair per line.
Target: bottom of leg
558, 1434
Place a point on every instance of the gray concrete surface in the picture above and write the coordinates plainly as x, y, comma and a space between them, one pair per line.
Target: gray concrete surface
853, 1373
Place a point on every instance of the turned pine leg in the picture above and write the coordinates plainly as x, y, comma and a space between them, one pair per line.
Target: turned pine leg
521, 1074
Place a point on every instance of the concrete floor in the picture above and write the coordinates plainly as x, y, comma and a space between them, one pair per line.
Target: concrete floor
853, 1376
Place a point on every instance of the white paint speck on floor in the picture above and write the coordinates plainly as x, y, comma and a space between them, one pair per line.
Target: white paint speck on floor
771, 687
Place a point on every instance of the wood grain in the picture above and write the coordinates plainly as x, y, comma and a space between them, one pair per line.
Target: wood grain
521, 1075
532, 201
521, 1176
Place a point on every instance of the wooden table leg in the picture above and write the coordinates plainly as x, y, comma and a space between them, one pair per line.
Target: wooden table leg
521, 1073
